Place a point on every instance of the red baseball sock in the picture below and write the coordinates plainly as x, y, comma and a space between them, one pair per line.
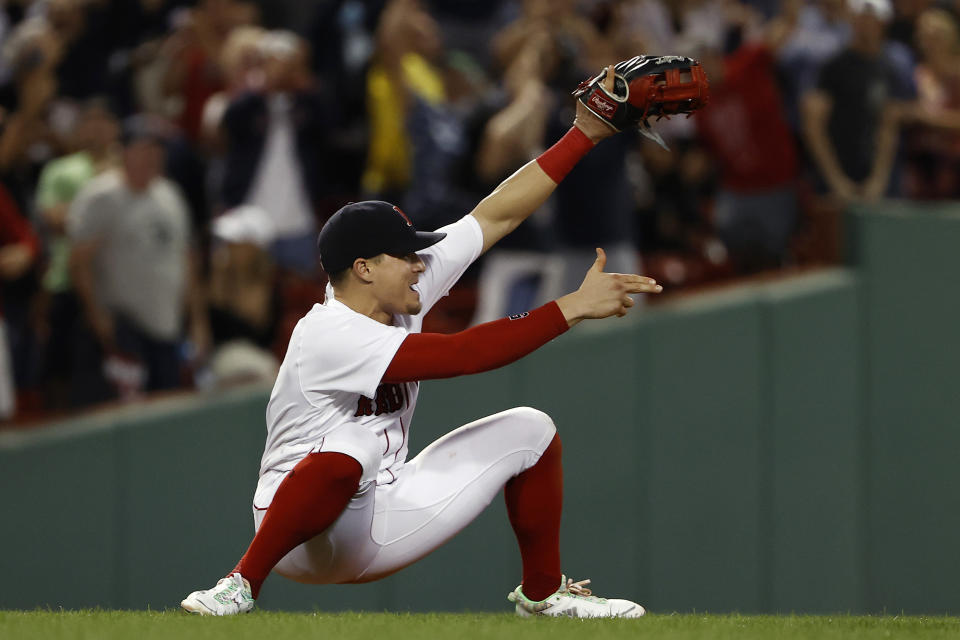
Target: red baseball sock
309, 500
534, 501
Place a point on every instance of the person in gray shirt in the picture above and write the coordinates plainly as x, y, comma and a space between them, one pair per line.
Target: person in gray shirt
132, 268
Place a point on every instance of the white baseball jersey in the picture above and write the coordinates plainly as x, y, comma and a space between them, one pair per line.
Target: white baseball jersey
328, 395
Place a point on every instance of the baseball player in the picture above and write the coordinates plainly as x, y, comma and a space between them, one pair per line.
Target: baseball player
337, 500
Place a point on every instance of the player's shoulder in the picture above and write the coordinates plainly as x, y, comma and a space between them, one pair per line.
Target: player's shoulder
464, 224
319, 328
322, 313
332, 320
333, 335
464, 234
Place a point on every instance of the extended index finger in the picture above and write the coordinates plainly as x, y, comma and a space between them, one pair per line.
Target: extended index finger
632, 278
638, 284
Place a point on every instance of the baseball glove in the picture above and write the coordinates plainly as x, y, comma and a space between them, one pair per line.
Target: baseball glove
645, 86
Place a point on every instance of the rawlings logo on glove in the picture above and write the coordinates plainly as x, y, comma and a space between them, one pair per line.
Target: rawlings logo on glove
598, 103
645, 86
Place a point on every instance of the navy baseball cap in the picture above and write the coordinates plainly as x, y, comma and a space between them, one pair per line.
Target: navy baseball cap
367, 229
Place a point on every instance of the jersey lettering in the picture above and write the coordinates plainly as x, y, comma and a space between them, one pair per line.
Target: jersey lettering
390, 398
364, 407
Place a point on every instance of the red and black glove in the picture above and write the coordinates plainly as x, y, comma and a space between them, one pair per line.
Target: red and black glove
645, 86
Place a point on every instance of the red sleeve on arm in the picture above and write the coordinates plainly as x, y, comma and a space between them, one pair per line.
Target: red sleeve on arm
429, 356
558, 160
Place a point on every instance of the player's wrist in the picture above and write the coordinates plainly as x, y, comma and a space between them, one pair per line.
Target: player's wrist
562, 157
595, 129
571, 307
592, 125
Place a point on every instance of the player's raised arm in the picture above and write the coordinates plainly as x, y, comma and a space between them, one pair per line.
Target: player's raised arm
429, 356
620, 97
522, 193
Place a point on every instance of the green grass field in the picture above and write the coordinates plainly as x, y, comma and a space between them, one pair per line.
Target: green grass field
264, 625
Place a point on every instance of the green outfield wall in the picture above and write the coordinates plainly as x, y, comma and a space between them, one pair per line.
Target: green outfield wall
778, 447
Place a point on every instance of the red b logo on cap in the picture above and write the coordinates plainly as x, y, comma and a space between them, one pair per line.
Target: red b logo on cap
403, 215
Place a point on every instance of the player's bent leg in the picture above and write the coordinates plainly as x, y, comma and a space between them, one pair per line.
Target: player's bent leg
344, 549
340, 553
450, 483
534, 502
309, 499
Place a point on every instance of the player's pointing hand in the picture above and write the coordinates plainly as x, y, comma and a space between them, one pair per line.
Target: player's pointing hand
604, 294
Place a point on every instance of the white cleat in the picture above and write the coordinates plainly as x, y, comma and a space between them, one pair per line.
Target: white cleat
231, 596
574, 600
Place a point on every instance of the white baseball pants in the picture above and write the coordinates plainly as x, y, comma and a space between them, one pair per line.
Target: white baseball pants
387, 527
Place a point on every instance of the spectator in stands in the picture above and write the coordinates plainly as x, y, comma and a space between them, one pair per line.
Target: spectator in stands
599, 183
242, 62
33, 52
341, 39
18, 251
405, 67
746, 132
507, 130
549, 47
243, 297
276, 150
134, 273
903, 27
674, 189
438, 142
467, 26
933, 145
570, 30
193, 72
822, 30
425, 130
95, 143
666, 23
83, 71
849, 119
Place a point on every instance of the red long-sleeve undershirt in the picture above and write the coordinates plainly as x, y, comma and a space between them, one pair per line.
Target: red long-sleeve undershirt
429, 356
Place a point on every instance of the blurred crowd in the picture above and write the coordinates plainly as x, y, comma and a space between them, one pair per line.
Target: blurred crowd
165, 164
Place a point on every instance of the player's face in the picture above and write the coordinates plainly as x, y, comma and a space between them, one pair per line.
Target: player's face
394, 277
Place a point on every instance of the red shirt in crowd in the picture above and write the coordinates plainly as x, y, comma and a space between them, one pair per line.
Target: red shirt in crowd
14, 229
744, 125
